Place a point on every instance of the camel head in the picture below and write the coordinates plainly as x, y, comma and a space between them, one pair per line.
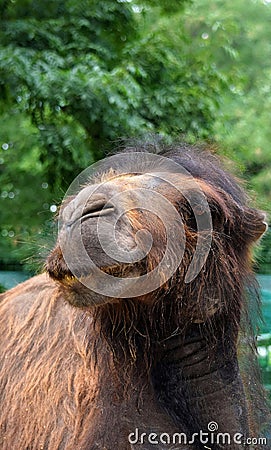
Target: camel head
147, 226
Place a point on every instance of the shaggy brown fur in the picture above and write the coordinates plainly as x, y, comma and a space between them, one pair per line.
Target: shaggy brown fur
80, 371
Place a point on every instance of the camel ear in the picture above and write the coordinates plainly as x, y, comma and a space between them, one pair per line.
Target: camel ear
255, 224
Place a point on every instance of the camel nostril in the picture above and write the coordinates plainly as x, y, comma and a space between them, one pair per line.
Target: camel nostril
97, 208
82, 209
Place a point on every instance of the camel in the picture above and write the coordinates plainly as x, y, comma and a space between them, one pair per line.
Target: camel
160, 361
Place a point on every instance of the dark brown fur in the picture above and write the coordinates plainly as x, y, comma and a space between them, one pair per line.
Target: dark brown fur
81, 372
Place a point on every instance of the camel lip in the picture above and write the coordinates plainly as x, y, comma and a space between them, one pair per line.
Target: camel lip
67, 276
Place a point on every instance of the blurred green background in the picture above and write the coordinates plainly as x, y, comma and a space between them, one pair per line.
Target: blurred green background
76, 78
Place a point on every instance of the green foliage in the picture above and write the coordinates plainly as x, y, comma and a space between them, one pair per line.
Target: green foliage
264, 254
236, 35
237, 38
76, 76
91, 72
24, 191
